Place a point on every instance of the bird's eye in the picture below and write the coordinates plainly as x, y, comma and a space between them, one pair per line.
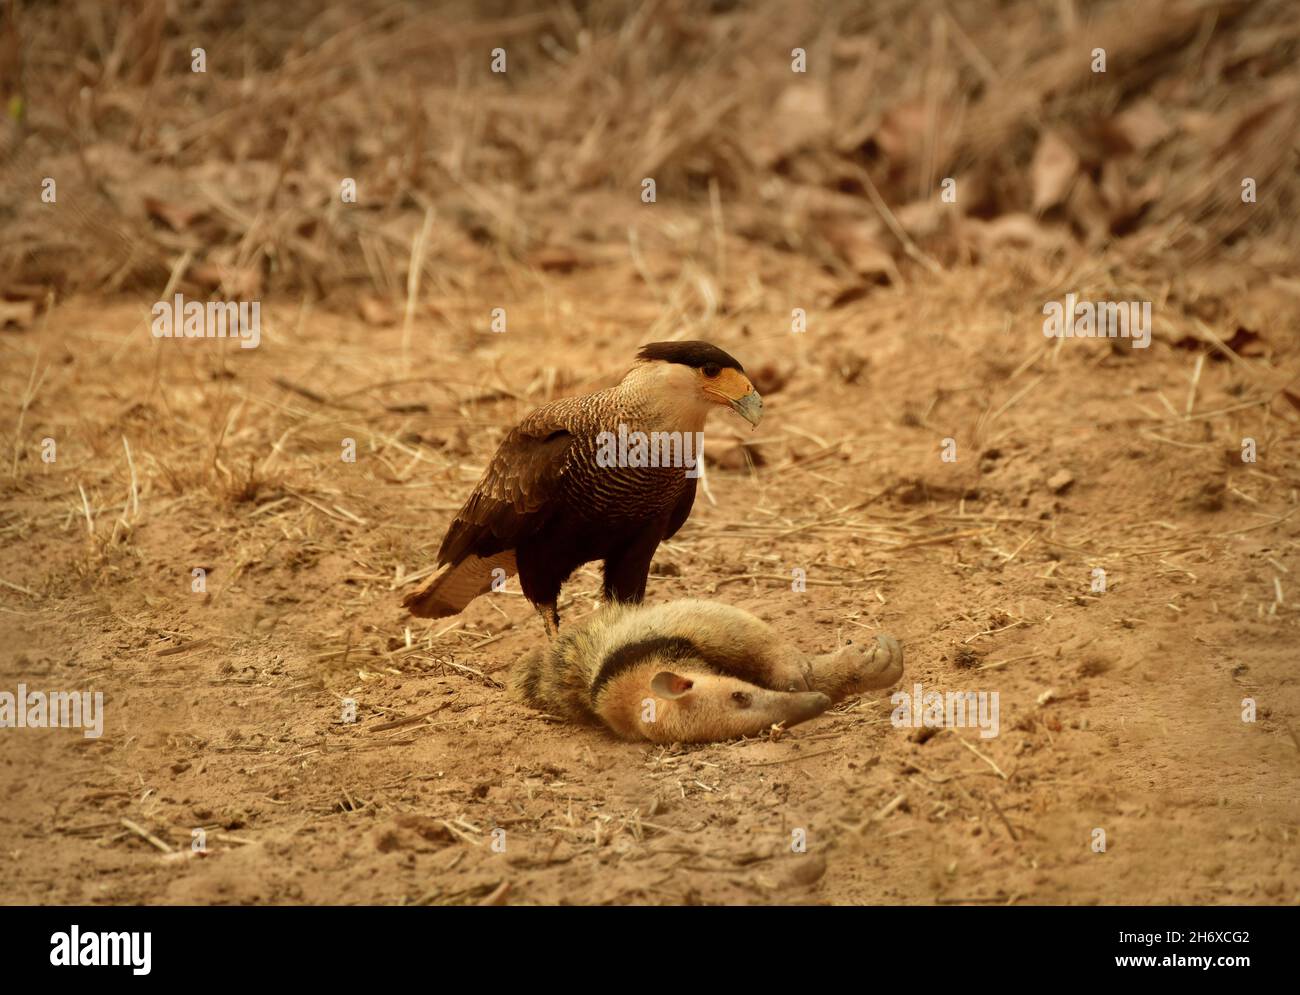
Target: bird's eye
711, 370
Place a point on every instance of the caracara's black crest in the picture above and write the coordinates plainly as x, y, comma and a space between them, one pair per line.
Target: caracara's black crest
692, 353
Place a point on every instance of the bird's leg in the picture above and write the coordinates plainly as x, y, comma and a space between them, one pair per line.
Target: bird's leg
550, 619
626, 571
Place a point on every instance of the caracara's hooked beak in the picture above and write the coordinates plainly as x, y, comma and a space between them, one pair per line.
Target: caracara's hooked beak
734, 390
749, 407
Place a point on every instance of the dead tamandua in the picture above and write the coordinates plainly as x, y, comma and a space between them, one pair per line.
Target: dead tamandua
693, 671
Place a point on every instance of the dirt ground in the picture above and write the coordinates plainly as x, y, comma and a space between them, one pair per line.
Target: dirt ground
1120, 710
180, 530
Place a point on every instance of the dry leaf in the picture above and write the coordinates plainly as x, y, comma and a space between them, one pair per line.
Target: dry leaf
376, 311
1088, 210
734, 458
555, 259
922, 218
1052, 171
1142, 125
177, 217
236, 283
1015, 230
769, 378
801, 117
17, 314
902, 132
863, 254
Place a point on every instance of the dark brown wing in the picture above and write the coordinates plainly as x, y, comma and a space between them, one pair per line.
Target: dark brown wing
520, 489
682, 509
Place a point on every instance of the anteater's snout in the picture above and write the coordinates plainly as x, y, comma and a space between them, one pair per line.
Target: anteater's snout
801, 706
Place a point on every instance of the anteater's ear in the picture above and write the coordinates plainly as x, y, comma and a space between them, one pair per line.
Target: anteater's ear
666, 684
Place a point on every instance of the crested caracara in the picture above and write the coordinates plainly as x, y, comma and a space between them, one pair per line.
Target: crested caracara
605, 476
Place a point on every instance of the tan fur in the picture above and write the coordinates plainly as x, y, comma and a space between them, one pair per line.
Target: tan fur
733, 674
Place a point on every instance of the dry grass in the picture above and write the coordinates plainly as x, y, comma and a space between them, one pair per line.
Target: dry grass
227, 182
775, 191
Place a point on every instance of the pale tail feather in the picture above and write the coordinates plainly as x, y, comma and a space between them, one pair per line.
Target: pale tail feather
451, 589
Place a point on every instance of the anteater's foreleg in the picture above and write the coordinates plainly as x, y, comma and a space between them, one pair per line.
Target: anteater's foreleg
858, 667
850, 670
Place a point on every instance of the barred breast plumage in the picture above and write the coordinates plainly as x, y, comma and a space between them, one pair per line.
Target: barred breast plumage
551, 500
